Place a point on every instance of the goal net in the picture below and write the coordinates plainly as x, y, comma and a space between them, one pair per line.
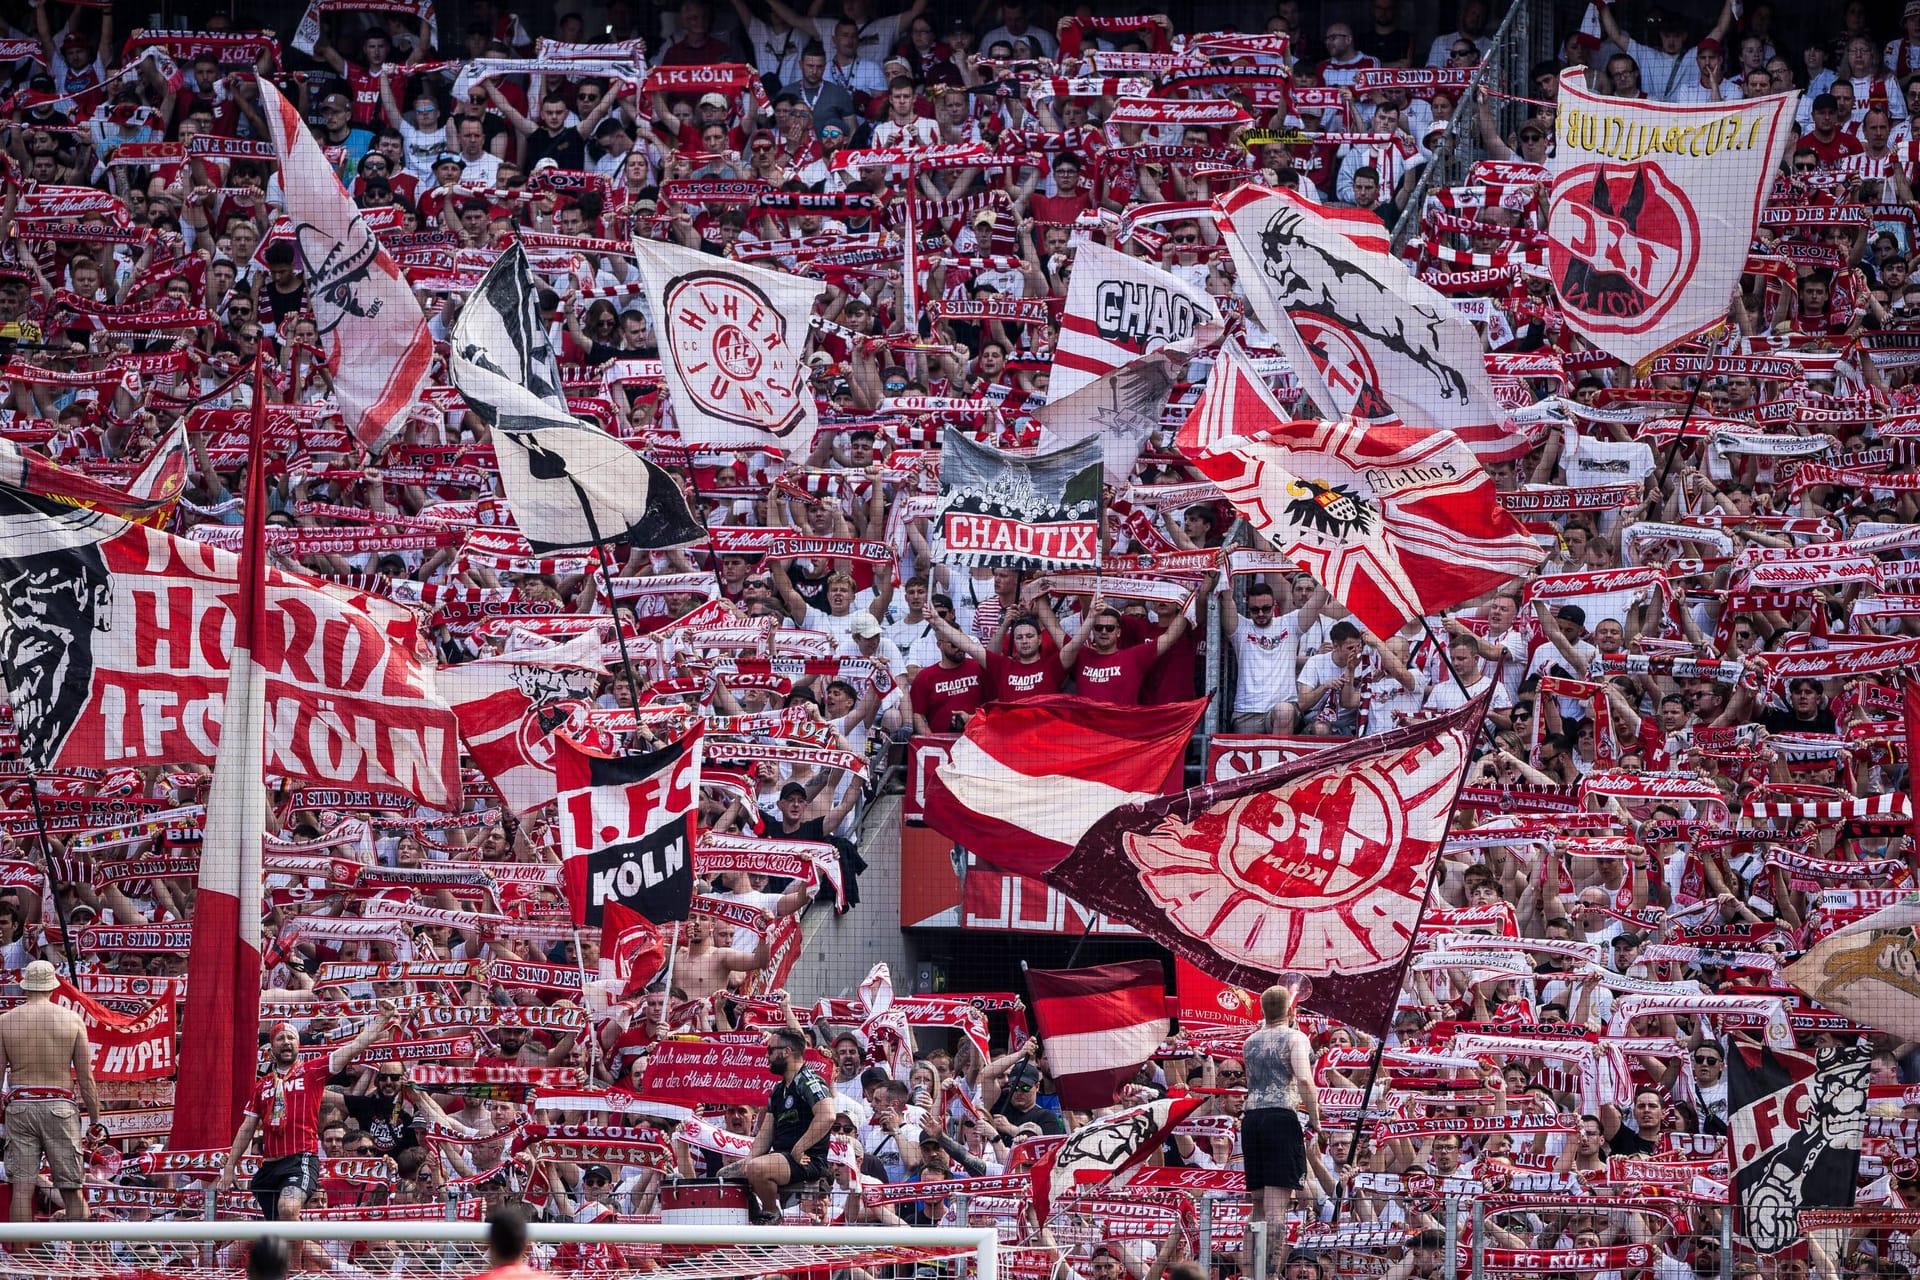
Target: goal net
606, 1250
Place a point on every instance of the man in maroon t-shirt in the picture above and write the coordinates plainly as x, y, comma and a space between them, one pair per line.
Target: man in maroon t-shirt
1103, 671
948, 692
1028, 672
285, 1109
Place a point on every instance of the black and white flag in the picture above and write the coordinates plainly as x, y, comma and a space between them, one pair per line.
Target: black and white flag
626, 828
1796, 1129
565, 477
1006, 511
1120, 408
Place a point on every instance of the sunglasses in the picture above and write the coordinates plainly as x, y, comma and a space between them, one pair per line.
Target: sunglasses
1233, 1075
392, 1075
1705, 1059
595, 1182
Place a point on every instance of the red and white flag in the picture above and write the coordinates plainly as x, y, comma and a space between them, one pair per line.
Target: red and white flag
1349, 316
123, 642
626, 827
511, 705
371, 326
1317, 867
731, 341
219, 1050
1120, 308
1099, 1025
1653, 207
1027, 779
1396, 523
1106, 1152
632, 952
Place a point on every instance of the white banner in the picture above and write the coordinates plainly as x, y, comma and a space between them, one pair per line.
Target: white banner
1652, 210
731, 338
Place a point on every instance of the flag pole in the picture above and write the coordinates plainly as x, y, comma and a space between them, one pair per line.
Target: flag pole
46, 853
593, 1036
1406, 962
603, 557
673, 953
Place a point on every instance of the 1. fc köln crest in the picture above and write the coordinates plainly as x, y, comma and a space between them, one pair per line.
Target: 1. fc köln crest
1652, 208
731, 345
731, 339
1316, 867
1623, 242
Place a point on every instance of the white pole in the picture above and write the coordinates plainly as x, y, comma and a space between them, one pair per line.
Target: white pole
673, 953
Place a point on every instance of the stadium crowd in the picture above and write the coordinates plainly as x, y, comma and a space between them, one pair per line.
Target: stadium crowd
144, 261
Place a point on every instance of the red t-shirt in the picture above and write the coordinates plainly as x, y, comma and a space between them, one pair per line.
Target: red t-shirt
1012, 680
939, 691
365, 87
1113, 677
1832, 153
288, 1108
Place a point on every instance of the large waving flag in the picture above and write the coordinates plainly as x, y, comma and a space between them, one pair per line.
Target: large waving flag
1099, 1023
119, 643
511, 705
1653, 207
1121, 408
219, 1049
1869, 971
1795, 1125
1396, 523
1027, 779
1120, 308
732, 337
1107, 1152
1316, 867
627, 827
569, 483
371, 326
1350, 316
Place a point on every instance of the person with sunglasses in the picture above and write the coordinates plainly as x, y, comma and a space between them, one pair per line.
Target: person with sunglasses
390, 1111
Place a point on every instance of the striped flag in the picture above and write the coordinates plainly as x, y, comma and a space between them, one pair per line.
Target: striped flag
1396, 522
371, 327
219, 1050
1099, 1025
1027, 779
1120, 308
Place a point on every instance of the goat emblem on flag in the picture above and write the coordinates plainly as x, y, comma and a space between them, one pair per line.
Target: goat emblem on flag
731, 344
1622, 244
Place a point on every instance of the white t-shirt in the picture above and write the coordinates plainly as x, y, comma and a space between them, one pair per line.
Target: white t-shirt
423, 147
1446, 696
1268, 657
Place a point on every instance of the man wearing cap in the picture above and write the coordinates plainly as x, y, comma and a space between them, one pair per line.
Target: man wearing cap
1706, 87
795, 1130
1021, 1103
45, 1056
1104, 1262
285, 1110
77, 60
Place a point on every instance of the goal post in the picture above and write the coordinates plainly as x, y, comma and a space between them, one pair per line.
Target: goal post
400, 1250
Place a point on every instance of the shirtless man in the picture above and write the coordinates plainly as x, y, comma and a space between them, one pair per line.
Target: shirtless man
702, 968
43, 1050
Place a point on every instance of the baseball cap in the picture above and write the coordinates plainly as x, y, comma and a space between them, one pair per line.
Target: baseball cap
864, 625
792, 789
1572, 613
597, 1171
1024, 1073
1104, 1251
447, 157
714, 100
545, 163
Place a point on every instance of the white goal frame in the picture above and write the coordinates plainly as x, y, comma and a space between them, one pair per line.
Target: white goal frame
982, 1243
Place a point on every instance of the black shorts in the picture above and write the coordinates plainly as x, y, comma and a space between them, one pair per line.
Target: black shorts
1274, 1148
812, 1171
285, 1173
